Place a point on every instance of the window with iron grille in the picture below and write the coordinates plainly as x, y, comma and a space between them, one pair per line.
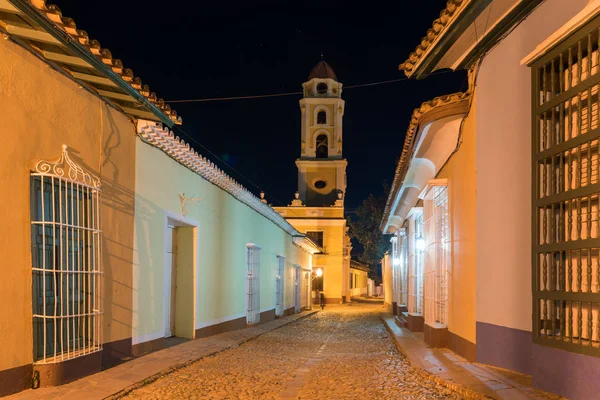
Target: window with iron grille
279, 282
566, 188
65, 250
415, 270
252, 284
437, 254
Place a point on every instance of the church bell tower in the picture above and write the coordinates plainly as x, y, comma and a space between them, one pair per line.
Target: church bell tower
321, 166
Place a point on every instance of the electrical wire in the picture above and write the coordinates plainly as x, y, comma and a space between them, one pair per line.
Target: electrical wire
263, 96
242, 176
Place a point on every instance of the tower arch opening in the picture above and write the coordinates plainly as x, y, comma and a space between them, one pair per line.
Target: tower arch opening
322, 146
321, 117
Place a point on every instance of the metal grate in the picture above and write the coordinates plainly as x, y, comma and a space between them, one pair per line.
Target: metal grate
297, 294
279, 285
437, 253
66, 274
404, 268
415, 278
566, 188
252, 284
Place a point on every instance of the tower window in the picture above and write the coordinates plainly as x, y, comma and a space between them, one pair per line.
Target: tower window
322, 88
320, 184
322, 117
322, 144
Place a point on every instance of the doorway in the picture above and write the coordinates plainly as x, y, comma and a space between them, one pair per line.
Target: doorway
179, 287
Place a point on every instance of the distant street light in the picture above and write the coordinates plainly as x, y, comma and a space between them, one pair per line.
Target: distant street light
420, 243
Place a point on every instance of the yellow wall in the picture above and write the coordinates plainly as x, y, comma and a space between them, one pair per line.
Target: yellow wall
361, 287
386, 272
331, 262
41, 111
461, 207
225, 226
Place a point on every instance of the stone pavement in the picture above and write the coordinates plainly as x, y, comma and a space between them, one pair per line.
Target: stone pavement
343, 352
116, 381
446, 365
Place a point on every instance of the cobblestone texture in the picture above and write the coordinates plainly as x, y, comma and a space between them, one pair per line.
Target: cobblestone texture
341, 353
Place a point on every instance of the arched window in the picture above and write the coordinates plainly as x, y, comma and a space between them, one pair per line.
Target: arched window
322, 144
322, 88
321, 117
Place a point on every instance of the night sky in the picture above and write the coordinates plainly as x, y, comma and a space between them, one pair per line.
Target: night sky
201, 49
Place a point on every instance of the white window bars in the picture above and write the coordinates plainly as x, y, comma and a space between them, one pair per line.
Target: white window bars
415, 261
437, 254
66, 264
297, 285
404, 268
252, 284
279, 286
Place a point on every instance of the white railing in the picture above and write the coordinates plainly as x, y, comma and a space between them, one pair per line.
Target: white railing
66, 263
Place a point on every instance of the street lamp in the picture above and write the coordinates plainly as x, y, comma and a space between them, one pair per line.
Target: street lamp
316, 274
420, 243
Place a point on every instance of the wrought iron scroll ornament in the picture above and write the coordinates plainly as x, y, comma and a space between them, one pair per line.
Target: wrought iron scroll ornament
65, 167
184, 200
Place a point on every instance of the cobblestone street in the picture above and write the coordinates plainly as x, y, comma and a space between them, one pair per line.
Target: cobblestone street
343, 352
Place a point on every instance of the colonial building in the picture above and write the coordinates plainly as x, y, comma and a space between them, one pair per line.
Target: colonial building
494, 204
318, 207
115, 234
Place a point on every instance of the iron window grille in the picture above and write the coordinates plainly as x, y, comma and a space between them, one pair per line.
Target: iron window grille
297, 286
437, 255
66, 264
252, 284
415, 269
279, 286
404, 267
565, 197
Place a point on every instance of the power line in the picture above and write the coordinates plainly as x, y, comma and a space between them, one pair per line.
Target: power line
263, 96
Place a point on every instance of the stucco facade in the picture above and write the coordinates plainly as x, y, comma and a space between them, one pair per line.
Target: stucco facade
42, 111
497, 262
221, 228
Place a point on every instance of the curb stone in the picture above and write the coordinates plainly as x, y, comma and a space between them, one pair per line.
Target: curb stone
463, 390
152, 378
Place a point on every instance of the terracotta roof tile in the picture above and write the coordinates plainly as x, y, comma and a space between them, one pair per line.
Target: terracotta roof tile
54, 14
438, 26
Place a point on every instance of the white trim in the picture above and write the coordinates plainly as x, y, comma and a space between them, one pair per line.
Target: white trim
414, 211
589, 11
184, 221
147, 337
164, 139
431, 183
305, 244
219, 320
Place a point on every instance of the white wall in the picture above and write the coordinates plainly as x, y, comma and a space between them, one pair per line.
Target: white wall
503, 164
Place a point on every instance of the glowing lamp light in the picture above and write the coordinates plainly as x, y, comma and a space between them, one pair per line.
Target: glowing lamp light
319, 272
420, 243
396, 262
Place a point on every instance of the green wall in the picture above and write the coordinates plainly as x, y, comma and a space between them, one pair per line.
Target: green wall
225, 226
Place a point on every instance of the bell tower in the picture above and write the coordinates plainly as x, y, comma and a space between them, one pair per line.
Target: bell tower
321, 166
